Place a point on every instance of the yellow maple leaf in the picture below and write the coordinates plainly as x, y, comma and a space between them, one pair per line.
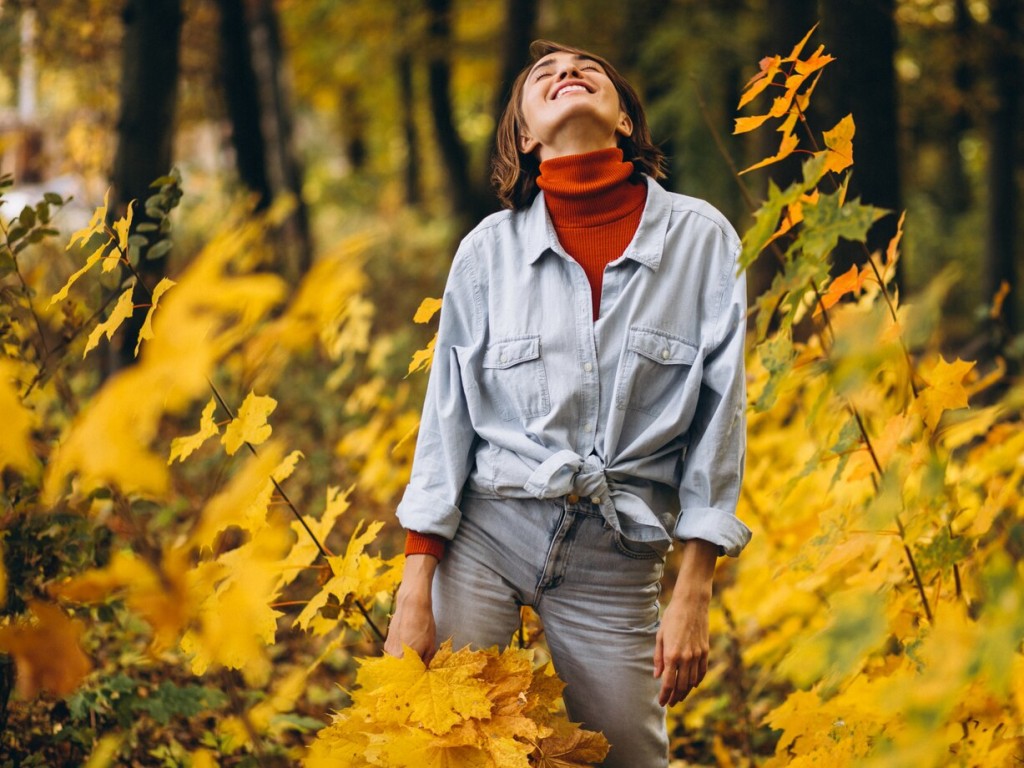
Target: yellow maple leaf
121, 312
355, 576
122, 228
426, 310
16, 426
183, 447
404, 690
236, 622
250, 425
47, 652
305, 550
158, 595
245, 499
789, 143
570, 747
850, 281
146, 332
945, 390
109, 442
422, 359
839, 141
89, 263
97, 223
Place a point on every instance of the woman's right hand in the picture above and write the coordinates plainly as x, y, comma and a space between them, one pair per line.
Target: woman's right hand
412, 624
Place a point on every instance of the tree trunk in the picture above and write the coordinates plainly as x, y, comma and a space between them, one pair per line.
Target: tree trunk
407, 106
149, 90
1004, 130
241, 95
453, 150
789, 21
861, 34
520, 29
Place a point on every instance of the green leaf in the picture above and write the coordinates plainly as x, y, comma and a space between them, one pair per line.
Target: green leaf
159, 249
777, 355
828, 221
7, 265
146, 226
53, 198
28, 217
15, 233
43, 212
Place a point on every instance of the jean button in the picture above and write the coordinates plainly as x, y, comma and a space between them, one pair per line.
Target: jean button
572, 498
595, 499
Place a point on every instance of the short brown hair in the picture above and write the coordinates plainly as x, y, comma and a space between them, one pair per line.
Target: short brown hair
514, 174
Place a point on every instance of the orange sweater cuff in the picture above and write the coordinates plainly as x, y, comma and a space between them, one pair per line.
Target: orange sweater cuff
425, 544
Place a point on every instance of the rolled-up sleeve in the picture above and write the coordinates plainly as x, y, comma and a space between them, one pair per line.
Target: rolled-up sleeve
444, 449
713, 463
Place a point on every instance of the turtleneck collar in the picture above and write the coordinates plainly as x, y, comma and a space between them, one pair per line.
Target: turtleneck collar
591, 189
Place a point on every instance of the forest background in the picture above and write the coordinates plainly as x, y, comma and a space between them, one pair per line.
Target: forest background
887, 516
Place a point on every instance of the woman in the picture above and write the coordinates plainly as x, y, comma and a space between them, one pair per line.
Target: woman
585, 409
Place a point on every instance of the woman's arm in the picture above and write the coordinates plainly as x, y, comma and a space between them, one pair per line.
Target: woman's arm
681, 648
413, 622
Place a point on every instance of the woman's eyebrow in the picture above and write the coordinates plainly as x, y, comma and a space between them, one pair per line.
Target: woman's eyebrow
550, 61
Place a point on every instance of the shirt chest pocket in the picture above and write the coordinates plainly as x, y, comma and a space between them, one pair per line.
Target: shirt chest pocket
515, 377
654, 370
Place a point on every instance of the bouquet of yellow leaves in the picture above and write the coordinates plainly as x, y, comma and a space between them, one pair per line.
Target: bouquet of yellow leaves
466, 709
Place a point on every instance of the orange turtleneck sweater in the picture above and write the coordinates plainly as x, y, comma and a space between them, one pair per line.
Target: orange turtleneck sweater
595, 210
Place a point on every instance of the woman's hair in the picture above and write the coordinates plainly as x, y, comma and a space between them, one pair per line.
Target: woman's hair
514, 174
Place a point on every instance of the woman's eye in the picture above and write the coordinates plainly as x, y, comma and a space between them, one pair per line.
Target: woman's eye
592, 69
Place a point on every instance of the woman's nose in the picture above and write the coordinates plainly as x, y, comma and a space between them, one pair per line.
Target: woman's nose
569, 70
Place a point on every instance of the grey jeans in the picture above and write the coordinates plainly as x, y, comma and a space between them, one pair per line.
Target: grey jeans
596, 593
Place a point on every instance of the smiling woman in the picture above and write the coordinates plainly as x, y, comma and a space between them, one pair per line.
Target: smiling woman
585, 410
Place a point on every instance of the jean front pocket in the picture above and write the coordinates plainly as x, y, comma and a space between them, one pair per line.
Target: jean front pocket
654, 369
514, 375
636, 550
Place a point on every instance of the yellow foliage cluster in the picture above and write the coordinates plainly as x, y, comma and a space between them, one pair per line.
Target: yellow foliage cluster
467, 709
885, 508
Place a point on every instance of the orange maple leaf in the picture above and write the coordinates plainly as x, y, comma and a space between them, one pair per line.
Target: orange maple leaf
47, 653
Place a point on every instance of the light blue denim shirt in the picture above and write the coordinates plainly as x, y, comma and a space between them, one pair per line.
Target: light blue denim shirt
642, 410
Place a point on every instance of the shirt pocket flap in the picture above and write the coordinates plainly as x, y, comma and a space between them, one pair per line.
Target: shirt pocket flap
661, 347
509, 352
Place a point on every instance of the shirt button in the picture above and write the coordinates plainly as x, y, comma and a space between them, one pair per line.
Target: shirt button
588, 427
588, 367
595, 499
504, 359
664, 354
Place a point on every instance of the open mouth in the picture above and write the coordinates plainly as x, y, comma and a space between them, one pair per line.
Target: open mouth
567, 89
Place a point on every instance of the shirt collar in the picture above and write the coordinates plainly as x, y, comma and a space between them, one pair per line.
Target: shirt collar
647, 244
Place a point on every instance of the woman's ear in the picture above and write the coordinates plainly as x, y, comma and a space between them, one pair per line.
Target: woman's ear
625, 126
527, 143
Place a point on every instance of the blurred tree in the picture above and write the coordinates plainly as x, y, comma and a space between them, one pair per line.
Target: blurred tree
464, 198
241, 95
788, 22
145, 129
520, 29
861, 34
283, 170
1004, 131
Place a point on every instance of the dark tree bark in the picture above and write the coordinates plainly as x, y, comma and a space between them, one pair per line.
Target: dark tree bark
861, 34
145, 129
1004, 133
520, 30
284, 172
788, 22
465, 201
241, 95
407, 106
954, 195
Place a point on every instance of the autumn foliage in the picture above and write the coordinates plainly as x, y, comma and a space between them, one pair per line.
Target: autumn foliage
151, 528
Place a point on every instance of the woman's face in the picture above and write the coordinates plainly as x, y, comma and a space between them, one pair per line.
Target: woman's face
570, 106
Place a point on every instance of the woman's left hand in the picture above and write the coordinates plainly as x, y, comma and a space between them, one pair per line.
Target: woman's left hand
682, 644
681, 649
